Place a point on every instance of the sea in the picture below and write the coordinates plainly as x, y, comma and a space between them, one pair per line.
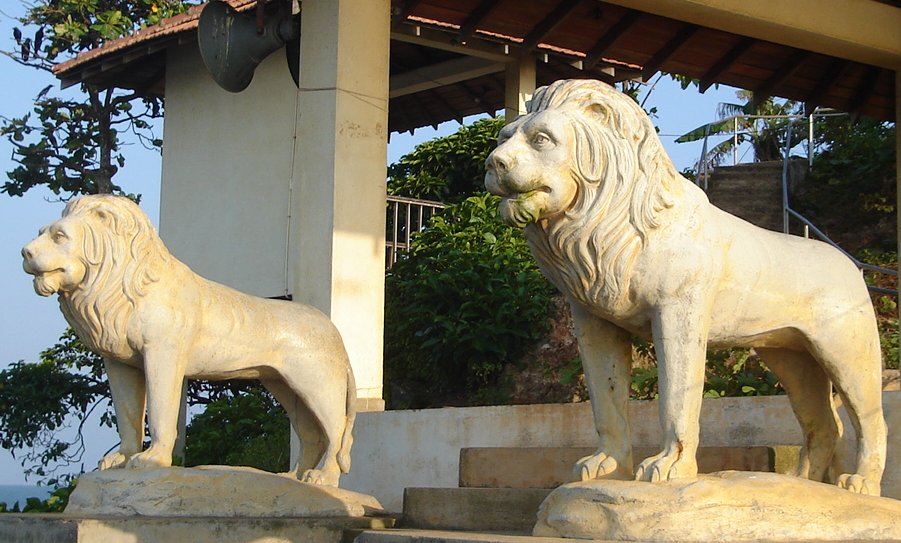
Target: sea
12, 494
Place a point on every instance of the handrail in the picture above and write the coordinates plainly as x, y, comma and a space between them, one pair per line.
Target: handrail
404, 217
787, 212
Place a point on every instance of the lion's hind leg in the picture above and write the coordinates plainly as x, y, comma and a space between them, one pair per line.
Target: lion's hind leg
810, 393
856, 371
319, 418
302, 422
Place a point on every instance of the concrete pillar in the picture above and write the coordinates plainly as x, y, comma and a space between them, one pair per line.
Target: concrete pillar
519, 87
337, 238
898, 156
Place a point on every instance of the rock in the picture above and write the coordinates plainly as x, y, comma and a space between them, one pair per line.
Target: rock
724, 506
215, 491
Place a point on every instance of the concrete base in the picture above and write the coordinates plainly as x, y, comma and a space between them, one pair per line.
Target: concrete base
725, 506
211, 491
39, 528
473, 509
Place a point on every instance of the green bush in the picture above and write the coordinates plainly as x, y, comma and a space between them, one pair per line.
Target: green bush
249, 429
467, 299
55, 503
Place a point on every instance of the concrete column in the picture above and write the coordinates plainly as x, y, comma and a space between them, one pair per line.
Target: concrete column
338, 197
898, 156
519, 87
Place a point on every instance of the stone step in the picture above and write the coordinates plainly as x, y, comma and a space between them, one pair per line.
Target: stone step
443, 536
473, 509
549, 467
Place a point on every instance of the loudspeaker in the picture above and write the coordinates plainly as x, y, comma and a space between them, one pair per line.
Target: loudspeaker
232, 45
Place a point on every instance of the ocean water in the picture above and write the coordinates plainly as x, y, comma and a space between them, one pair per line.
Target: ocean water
12, 494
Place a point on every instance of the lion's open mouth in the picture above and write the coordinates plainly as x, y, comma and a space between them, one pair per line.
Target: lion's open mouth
521, 210
46, 282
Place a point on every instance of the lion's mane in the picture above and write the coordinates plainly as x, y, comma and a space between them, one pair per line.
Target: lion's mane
625, 182
123, 255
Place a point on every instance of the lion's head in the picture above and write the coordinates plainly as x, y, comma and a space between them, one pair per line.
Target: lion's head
585, 173
100, 257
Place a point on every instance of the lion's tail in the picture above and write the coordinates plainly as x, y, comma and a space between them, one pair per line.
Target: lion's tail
347, 439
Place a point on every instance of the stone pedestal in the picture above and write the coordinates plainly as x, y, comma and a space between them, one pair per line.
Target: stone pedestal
724, 506
212, 491
211, 504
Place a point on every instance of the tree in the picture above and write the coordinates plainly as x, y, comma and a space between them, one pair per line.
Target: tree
70, 141
766, 135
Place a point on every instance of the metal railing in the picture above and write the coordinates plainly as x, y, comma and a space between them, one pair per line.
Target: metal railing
706, 164
809, 227
405, 217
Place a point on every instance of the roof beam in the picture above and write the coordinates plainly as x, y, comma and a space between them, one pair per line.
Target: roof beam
865, 32
441, 74
548, 24
437, 39
475, 19
683, 35
785, 71
833, 74
724, 63
404, 12
597, 51
864, 90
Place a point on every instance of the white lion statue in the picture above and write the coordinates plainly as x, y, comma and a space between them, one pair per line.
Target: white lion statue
156, 322
638, 249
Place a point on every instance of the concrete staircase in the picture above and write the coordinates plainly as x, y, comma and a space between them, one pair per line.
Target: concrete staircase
501, 489
752, 191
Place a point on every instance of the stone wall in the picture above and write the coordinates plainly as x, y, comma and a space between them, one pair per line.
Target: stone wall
421, 448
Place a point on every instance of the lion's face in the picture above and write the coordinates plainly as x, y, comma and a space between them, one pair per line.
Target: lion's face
55, 258
531, 169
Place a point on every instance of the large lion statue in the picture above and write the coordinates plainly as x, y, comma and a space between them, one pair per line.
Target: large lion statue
639, 250
156, 322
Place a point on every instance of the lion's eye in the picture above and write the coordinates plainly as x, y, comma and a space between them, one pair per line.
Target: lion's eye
541, 139
59, 236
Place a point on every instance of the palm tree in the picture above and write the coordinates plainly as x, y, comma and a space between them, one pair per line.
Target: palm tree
761, 123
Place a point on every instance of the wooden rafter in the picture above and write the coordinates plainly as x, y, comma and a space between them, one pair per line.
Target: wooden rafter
865, 89
833, 74
780, 76
404, 12
475, 19
683, 35
725, 63
548, 24
597, 51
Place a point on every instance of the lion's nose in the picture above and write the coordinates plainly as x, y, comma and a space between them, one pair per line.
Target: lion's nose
26, 253
499, 163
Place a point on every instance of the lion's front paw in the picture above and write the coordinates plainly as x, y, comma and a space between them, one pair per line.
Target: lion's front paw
666, 466
112, 461
599, 465
319, 477
151, 458
859, 484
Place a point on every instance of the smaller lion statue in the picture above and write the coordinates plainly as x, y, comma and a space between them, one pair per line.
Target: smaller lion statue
155, 322
639, 250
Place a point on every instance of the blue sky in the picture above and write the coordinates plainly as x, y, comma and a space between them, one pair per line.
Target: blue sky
29, 323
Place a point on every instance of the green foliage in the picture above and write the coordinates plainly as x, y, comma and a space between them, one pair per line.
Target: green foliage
766, 136
55, 503
41, 402
70, 143
448, 168
463, 302
243, 430
728, 372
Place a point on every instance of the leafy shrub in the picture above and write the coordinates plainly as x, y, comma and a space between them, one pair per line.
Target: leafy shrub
248, 429
449, 168
465, 300
55, 503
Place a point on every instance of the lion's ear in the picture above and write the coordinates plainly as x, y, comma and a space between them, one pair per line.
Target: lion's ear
596, 111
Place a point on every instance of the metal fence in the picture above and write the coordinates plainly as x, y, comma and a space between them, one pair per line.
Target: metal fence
405, 217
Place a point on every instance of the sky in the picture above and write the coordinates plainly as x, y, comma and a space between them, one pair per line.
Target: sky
30, 323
